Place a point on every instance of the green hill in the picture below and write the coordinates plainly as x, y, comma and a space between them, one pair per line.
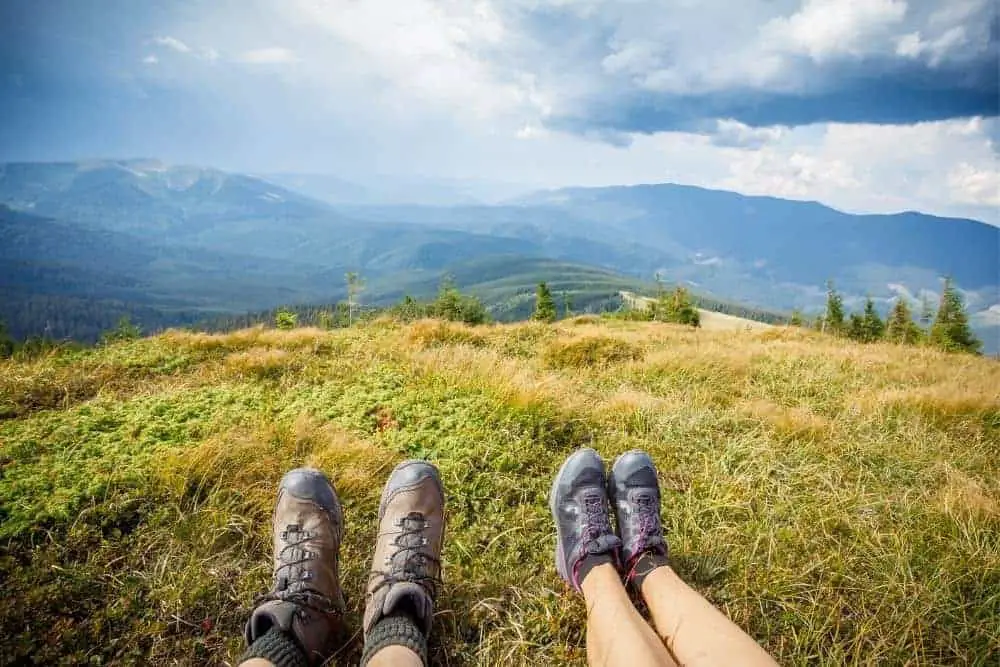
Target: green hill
838, 501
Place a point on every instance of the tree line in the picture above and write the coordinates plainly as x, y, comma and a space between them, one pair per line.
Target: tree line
945, 327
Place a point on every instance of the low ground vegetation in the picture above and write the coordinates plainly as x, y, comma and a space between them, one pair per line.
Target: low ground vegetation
837, 500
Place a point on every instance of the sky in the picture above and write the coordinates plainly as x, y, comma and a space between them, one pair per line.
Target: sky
865, 105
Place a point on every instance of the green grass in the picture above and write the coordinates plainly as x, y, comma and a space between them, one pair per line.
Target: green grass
838, 501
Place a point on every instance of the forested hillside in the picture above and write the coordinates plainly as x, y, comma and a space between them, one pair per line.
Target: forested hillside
165, 243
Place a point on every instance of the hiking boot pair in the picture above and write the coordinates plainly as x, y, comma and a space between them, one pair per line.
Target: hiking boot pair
306, 602
579, 501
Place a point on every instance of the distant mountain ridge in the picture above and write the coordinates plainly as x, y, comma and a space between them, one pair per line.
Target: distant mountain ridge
145, 195
192, 237
797, 240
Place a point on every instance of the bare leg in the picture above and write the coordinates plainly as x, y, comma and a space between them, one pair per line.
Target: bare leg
395, 656
616, 634
698, 634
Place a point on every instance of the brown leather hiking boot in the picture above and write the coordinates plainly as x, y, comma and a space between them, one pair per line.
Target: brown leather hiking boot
305, 600
406, 568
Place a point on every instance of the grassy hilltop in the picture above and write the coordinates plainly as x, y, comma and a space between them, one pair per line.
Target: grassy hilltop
839, 501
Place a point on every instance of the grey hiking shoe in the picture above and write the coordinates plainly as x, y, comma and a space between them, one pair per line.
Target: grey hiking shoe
579, 504
635, 494
305, 600
406, 568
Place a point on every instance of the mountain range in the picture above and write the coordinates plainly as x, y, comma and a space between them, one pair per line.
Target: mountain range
184, 241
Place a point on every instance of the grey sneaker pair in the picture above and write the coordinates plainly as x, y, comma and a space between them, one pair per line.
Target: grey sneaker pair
579, 501
306, 601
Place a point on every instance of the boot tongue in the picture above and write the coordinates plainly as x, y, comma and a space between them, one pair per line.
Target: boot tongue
407, 596
267, 616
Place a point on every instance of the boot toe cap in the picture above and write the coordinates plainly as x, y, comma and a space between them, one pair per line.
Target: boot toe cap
310, 484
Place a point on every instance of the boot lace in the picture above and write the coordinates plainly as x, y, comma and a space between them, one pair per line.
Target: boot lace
596, 523
410, 541
649, 530
290, 576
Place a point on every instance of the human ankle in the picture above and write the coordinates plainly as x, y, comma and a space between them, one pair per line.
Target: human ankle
588, 563
647, 563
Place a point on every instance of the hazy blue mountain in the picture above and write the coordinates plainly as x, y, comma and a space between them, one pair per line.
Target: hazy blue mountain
44, 256
187, 237
147, 197
792, 240
759, 250
381, 189
324, 187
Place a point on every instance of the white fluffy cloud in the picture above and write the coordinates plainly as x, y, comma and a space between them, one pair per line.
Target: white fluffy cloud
729, 132
945, 167
829, 28
975, 185
172, 43
432, 51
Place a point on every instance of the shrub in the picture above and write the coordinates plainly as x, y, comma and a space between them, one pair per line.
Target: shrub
124, 331
590, 351
432, 333
454, 306
285, 320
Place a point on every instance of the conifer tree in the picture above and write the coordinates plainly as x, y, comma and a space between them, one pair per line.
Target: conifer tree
796, 319
675, 306
834, 318
950, 330
545, 305
926, 311
855, 329
872, 326
355, 285
900, 327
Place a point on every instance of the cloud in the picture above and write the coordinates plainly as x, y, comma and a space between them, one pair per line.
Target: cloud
443, 53
172, 43
987, 318
150, 60
648, 66
795, 175
732, 133
947, 167
975, 185
268, 56
823, 29
913, 46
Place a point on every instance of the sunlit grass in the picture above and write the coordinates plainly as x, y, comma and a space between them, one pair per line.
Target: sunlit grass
839, 501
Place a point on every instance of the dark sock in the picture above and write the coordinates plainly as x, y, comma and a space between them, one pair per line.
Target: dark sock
396, 629
278, 647
590, 562
644, 565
